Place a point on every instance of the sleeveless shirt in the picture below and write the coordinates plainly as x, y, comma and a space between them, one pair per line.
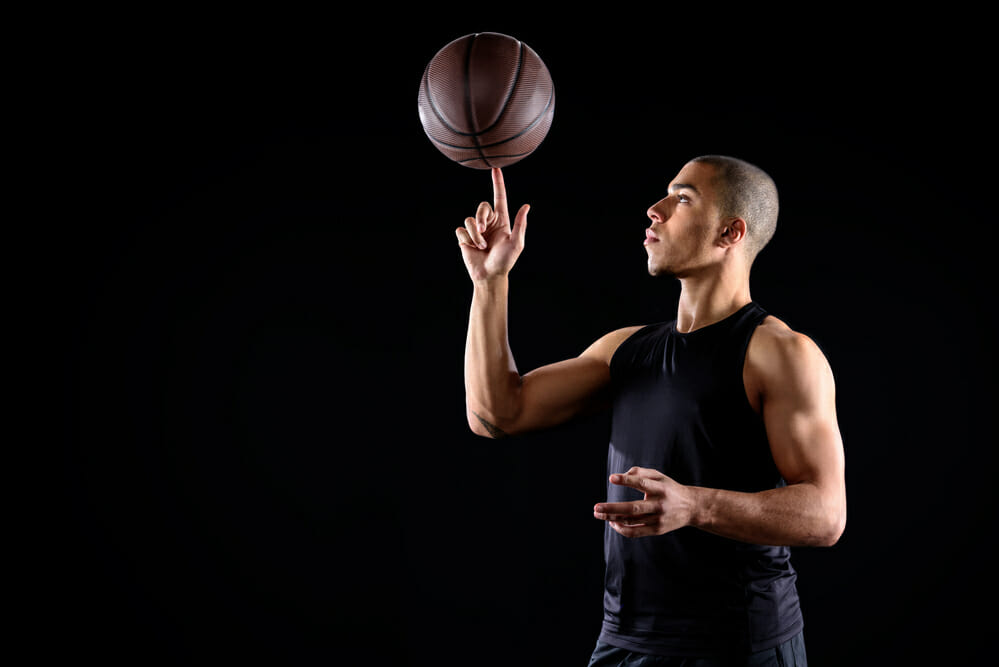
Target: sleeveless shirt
680, 407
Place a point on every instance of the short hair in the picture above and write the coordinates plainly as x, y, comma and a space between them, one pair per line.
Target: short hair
745, 191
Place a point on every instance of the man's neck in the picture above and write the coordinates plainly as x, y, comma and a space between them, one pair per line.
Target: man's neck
705, 300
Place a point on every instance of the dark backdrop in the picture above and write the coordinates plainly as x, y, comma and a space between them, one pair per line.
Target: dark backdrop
261, 309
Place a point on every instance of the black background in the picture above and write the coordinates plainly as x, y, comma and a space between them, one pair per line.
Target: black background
260, 309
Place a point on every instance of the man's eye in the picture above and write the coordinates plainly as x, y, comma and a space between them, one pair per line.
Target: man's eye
682, 198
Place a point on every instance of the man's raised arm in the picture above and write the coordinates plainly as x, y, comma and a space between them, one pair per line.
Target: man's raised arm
499, 401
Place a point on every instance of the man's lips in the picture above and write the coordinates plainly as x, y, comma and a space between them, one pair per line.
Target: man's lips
650, 237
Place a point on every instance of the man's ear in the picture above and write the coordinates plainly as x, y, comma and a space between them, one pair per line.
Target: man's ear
733, 232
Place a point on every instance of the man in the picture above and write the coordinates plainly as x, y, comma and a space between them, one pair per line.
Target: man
725, 449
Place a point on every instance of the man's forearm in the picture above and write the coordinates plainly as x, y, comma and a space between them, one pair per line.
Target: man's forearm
491, 377
794, 515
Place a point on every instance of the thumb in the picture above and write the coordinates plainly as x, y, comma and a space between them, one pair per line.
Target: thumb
520, 223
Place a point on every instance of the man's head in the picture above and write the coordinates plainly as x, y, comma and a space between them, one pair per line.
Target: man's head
718, 209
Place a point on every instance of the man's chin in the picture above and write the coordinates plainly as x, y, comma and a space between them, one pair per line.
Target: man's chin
656, 270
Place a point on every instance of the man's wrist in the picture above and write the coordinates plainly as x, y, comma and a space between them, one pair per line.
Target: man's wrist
492, 285
699, 501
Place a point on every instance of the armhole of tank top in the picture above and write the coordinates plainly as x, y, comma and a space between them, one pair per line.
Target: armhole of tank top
615, 359
742, 367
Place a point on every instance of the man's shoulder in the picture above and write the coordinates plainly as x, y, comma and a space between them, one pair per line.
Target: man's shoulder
773, 335
605, 347
778, 353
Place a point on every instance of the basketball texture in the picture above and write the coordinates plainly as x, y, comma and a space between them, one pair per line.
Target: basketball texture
486, 100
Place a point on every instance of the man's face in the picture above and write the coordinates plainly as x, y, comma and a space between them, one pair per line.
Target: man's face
681, 239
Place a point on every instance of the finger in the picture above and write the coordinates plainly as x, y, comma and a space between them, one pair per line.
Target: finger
632, 530
484, 215
520, 224
621, 511
464, 238
636, 522
499, 192
635, 473
633, 481
475, 234
648, 473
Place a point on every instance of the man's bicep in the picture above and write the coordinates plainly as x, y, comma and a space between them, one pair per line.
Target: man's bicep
799, 412
557, 392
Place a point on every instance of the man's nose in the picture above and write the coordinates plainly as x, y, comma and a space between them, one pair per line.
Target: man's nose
657, 212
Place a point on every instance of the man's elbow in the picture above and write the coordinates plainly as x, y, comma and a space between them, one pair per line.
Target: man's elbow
832, 526
484, 427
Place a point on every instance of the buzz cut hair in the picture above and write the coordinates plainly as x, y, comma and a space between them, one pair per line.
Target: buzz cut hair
745, 191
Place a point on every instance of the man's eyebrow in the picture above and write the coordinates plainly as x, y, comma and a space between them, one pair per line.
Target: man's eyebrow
682, 186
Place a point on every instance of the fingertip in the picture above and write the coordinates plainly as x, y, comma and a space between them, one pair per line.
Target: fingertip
520, 223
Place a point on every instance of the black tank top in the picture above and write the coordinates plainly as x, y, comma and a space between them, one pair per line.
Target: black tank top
680, 407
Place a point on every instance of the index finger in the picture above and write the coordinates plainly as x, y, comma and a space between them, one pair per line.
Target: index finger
499, 193
633, 480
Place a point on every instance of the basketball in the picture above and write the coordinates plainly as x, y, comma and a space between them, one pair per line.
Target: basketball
486, 100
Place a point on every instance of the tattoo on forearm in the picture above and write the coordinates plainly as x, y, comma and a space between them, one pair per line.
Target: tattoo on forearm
494, 431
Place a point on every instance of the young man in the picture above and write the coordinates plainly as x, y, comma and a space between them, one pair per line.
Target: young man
725, 448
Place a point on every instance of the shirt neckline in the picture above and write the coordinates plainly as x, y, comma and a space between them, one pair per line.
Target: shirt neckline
725, 319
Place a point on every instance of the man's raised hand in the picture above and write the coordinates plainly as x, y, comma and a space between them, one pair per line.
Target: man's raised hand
489, 244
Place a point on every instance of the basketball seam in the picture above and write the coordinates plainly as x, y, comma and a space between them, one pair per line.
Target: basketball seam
433, 105
544, 112
534, 123
440, 116
494, 157
468, 97
527, 129
513, 89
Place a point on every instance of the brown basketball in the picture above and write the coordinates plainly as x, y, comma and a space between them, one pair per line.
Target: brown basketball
486, 100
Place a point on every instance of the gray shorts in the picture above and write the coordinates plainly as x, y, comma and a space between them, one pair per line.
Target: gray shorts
789, 654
